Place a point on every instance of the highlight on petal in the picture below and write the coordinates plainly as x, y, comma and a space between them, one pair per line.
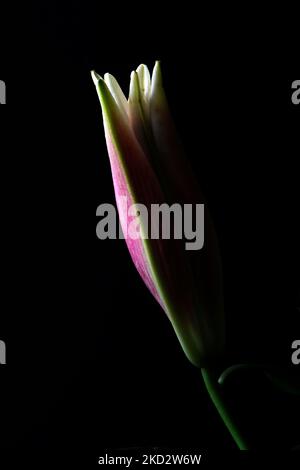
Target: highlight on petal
144, 79
138, 119
156, 78
117, 92
159, 108
135, 110
174, 166
145, 88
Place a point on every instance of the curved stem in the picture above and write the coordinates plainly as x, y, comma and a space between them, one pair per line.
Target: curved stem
217, 399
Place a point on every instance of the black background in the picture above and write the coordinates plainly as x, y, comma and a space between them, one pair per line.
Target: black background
92, 361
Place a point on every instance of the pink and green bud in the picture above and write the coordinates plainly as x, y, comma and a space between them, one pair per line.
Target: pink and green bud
149, 167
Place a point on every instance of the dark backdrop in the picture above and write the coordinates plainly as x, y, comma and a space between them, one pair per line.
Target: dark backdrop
92, 361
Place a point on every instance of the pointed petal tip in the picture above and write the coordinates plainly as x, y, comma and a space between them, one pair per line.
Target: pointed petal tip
156, 80
133, 86
101, 87
157, 65
157, 75
96, 77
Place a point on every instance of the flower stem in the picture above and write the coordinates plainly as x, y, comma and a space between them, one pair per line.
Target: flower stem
218, 401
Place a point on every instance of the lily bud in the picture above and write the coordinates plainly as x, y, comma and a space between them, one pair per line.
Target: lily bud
149, 167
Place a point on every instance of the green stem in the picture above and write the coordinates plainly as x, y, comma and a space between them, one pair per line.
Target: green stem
218, 401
